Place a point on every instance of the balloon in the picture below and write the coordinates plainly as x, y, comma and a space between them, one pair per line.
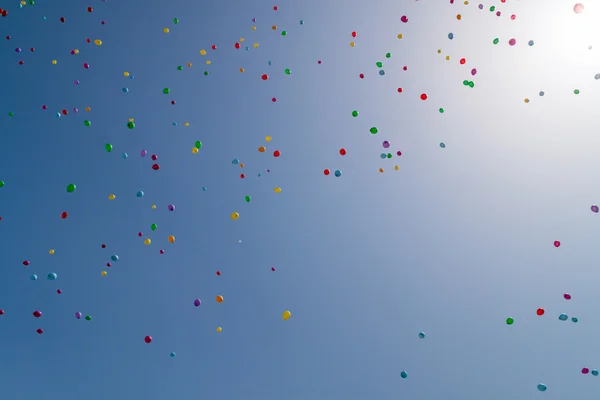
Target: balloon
248, 198
374, 130
147, 242
235, 216
51, 251
33, 277
541, 387
140, 193
403, 374
277, 190
148, 339
78, 315
574, 319
567, 296
108, 147
40, 331
37, 314
103, 273
578, 8
219, 329
52, 276
71, 188
509, 321
88, 317
197, 302
421, 335
171, 207
172, 354
171, 239
112, 197
198, 144
219, 299
114, 257
286, 315
338, 173
563, 317
556, 243
153, 227
594, 208
355, 113
540, 311
131, 125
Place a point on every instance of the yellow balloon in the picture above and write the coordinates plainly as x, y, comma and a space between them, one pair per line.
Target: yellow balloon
153, 207
166, 30
439, 51
171, 239
130, 119
400, 36
396, 167
104, 273
219, 329
447, 58
23, 2
253, 28
194, 150
235, 216
147, 242
286, 315
241, 40
256, 45
526, 100
202, 52
186, 124
51, 251
352, 44
268, 138
98, 42
54, 62
126, 73
277, 190
207, 62
76, 51
112, 197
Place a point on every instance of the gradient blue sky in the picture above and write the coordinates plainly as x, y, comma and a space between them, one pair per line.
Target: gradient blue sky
451, 244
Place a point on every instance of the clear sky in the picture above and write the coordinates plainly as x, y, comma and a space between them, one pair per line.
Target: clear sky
452, 243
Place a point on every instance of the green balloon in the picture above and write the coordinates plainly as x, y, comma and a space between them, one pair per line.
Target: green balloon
71, 188
205, 73
389, 155
166, 90
509, 321
441, 110
108, 147
88, 317
11, 114
248, 198
87, 123
374, 130
287, 71
496, 41
1, 183
175, 21
576, 91
471, 84
198, 144
283, 33
379, 64
31, 2
179, 68
388, 55
153, 227
130, 125
355, 113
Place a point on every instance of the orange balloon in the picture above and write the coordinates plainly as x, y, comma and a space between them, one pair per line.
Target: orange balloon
262, 149
219, 299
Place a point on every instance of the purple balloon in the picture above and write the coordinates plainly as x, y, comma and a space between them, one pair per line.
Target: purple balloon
78, 315
143, 153
197, 302
18, 50
473, 71
594, 208
75, 109
386, 144
76, 82
171, 207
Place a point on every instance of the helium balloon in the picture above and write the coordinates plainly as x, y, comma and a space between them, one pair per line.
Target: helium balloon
197, 302
71, 188
148, 339
286, 315
78, 315
88, 317
219, 329
578, 8
219, 299
171, 239
235, 216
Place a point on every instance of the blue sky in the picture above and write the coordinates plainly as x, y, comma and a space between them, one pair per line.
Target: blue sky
451, 244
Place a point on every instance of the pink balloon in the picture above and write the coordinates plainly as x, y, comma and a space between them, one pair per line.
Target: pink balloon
578, 8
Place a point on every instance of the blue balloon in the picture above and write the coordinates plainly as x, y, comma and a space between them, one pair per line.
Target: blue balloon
563, 317
125, 155
114, 257
541, 387
421, 335
595, 372
338, 173
235, 161
451, 36
140, 194
301, 22
204, 189
381, 72
382, 156
125, 90
443, 145
403, 374
172, 354
575, 319
269, 62
131, 76
52, 276
531, 43
174, 123
33, 277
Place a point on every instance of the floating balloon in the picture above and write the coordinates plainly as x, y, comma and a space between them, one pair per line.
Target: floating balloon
71, 188
235, 216
197, 302
148, 339
578, 8
219, 299
286, 315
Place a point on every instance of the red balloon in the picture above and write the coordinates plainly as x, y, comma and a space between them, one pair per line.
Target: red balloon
62, 19
90, 9
148, 339
20, 62
237, 45
8, 38
399, 90
275, 8
173, 102
264, 77
156, 167
273, 269
361, 76
462, 61
405, 68
40, 331
103, 246
154, 157
32, 49
214, 47
64, 112
64, 215
353, 34
88, 40
140, 234
540, 311
4, 13
326, 172
1, 312
273, 99
556, 243
218, 273
423, 96
37, 314
342, 152
26, 263
242, 176
276, 153
59, 291
108, 264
